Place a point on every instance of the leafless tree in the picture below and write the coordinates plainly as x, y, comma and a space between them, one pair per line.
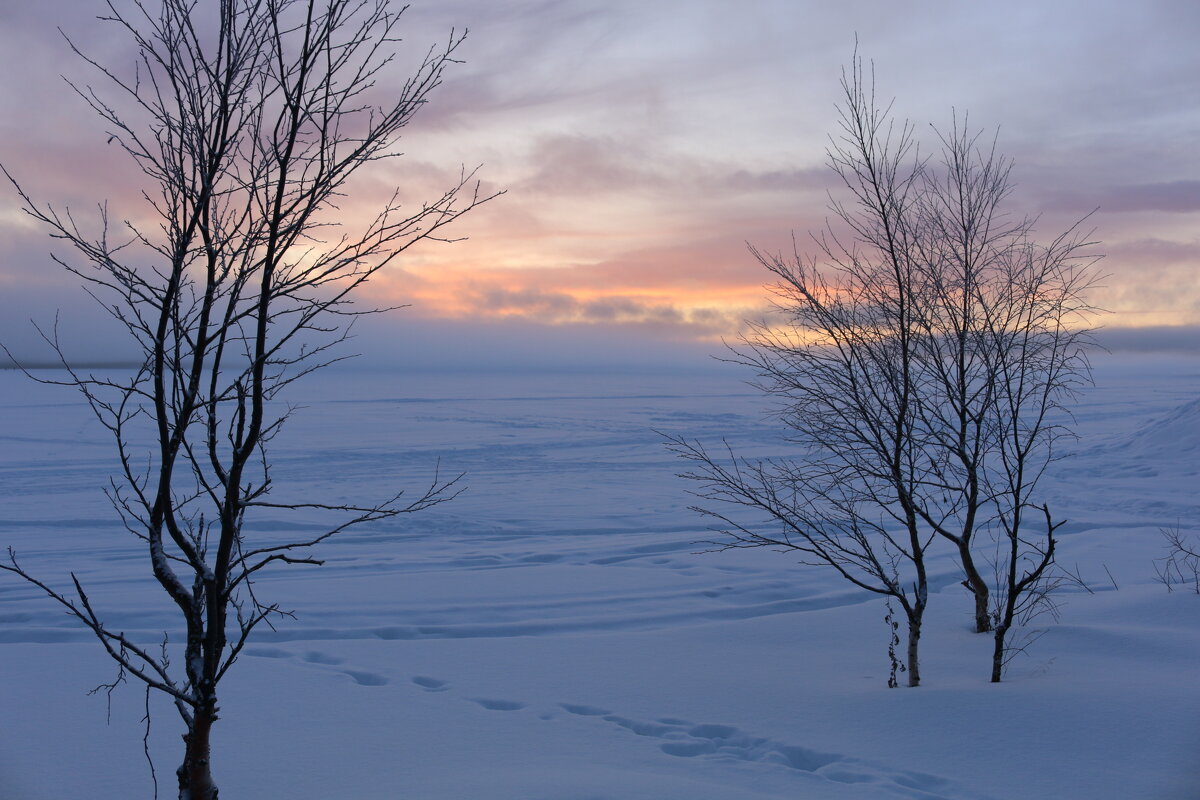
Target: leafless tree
1003, 343
1181, 565
958, 233
922, 362
843, 363
246, 118
1037, 343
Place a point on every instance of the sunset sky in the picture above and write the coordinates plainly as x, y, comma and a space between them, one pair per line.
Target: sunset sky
643, 144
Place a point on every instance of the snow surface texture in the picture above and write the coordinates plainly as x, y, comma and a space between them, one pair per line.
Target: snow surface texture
554, 634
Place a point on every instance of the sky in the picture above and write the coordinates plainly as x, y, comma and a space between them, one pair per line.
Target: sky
641, 146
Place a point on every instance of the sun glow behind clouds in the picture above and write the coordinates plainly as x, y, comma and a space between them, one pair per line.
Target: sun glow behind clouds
642, 145
583, 294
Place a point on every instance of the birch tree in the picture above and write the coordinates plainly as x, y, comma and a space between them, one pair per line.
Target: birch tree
246, 119
923, 361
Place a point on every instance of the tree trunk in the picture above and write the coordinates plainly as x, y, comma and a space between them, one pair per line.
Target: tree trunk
914, 640
978, 587
998, 652
983, 620
195, 776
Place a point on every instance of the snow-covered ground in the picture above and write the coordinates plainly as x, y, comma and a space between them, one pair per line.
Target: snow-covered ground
553, 634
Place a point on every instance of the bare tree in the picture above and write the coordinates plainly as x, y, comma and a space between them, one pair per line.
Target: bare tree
1181, 565
246, 118
1037, 343
1003, 342
958, 233
922, 364
843, 365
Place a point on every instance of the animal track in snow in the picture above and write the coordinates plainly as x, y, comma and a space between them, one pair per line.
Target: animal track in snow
266, 652
584, 711
317, 657
684, 739
365, 678
498, 705
361, 677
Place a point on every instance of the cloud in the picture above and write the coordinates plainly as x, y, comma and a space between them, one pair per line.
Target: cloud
581, 164
531, 303
1173, 196
1152, 250
584, 165
564, 308
785, 180
643, 143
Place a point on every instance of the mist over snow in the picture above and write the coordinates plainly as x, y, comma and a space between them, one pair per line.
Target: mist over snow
402, 339
397, 341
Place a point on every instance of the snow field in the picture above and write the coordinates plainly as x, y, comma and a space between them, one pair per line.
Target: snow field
555, 634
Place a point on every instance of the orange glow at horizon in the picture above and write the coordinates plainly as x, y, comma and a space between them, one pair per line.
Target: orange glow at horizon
569, 295
636, 173
702, 301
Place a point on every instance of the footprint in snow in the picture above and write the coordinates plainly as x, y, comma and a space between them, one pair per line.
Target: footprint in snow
317, 657
365, 678
491, 704
684, 739
266, 652
362, 678
498, 705
584, 711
